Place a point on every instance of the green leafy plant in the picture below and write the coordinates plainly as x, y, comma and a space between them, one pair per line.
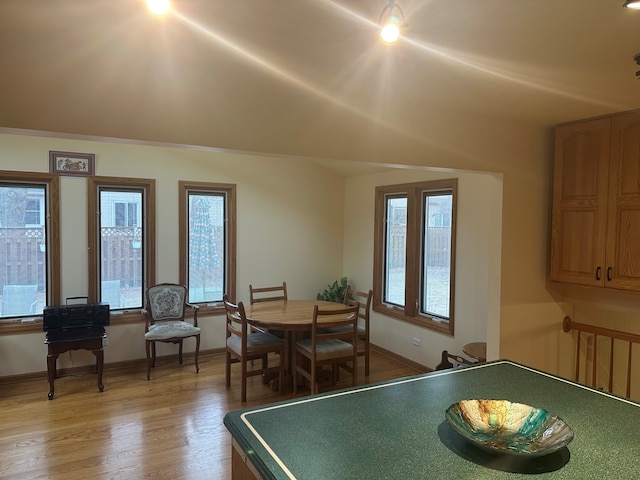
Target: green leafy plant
334, 292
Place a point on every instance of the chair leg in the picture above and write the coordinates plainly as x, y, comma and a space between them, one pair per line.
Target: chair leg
294, 372
354, 370
281, 372
228, 370
153, 353
148, 348
180, 352
366, 359
314, 378
197, 352
244, 381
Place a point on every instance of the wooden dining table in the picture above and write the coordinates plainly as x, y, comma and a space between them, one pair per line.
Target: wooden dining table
294, 317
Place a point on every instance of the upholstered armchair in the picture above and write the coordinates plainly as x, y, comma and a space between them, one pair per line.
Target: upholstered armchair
165, 321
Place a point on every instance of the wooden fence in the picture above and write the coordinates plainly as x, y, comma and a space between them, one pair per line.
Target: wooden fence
121, 256
438, 247
23, 254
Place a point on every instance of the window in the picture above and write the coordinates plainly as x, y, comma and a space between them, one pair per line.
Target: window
414, 250
207, 227
126, 214
29, 236
121, 241
34, 208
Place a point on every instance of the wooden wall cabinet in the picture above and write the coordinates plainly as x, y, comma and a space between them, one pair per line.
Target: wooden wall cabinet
595, 231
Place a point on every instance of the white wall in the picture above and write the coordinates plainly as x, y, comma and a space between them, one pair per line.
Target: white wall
290, 227
477, 280
529, 323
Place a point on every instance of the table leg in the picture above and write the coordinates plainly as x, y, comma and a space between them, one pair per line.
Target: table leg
51, 372
289, 351
99, 364
289, 339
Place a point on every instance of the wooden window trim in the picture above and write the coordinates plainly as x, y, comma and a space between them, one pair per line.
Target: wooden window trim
149, 221
34, 324
184, 187
410, 312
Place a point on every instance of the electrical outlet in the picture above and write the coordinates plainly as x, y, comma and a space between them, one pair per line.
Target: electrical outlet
105, 341
416, 342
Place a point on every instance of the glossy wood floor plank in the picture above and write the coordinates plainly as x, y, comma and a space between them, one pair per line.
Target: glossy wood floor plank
168, 427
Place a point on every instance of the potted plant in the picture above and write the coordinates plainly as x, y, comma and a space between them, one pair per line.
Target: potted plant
334, 292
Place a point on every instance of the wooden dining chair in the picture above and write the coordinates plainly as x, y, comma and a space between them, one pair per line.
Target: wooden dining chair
338, 348
364, 298
267, 294
244, 346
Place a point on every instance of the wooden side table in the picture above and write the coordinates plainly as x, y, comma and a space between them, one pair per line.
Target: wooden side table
477, 350
81, 339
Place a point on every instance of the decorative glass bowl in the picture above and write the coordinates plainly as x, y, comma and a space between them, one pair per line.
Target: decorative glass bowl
506, 427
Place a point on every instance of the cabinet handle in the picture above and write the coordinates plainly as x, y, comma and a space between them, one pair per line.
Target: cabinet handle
609, 274
597, 273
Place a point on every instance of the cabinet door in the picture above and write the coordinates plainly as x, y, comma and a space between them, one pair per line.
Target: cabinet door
623, 219
580, 183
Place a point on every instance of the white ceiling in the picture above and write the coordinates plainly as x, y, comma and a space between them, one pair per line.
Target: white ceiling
308, 77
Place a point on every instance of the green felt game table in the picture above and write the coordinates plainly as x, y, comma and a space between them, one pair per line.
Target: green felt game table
397, 430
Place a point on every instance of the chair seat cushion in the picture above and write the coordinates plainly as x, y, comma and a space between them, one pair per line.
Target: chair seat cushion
255, 341
343, 328
326, 349
171, 329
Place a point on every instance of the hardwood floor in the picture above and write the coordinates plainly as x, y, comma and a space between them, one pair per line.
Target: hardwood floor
168, 427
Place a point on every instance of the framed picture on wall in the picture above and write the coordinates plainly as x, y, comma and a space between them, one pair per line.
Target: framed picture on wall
72, 163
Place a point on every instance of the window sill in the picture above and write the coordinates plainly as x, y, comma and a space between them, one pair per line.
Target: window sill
205, 309
34, 325
15, 327
421, 321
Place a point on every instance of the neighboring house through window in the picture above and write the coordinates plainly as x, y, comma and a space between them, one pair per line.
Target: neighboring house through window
34, 208
121, 241
126, 214
414, 250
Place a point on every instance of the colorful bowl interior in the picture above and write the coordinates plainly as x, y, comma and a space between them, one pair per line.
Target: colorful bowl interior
508, 427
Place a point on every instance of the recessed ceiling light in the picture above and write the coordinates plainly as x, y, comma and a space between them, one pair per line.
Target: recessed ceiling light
633, 4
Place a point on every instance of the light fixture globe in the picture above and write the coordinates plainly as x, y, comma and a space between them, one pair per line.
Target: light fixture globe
632, 4
390, 32
391, 23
